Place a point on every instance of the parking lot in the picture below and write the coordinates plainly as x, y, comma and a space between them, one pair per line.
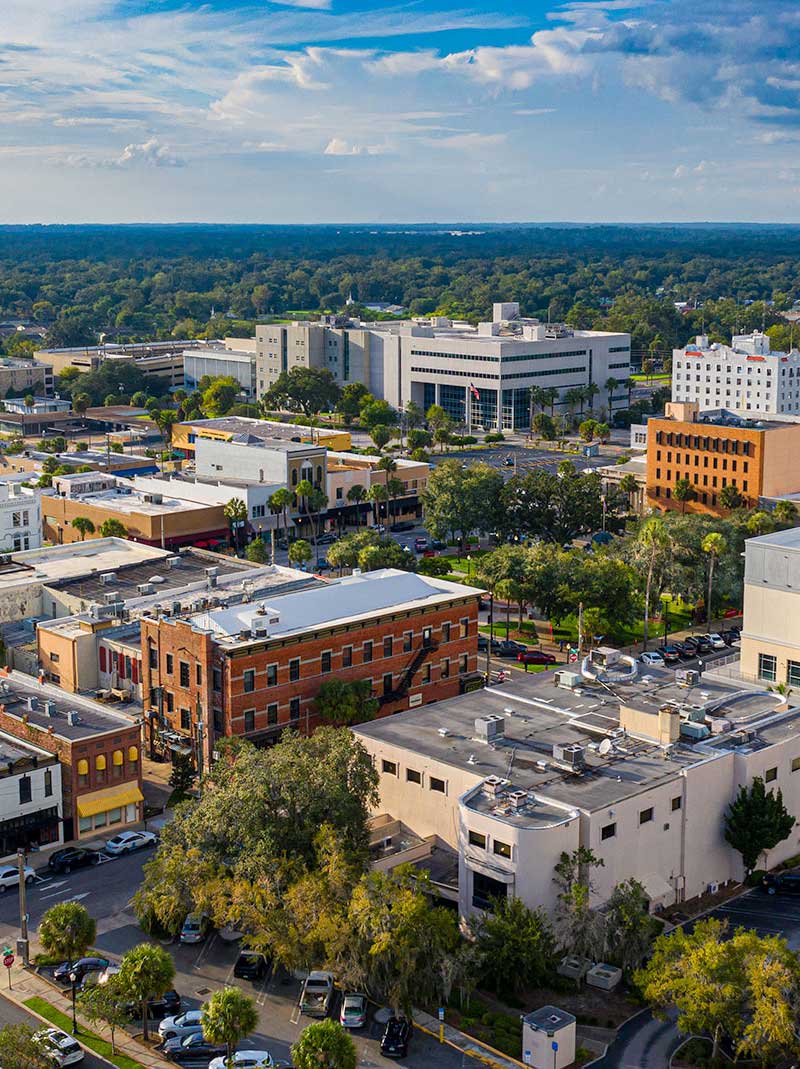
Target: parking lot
524, 459
768, 914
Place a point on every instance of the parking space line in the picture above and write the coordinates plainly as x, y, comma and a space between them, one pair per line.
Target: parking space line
204, 950
295, 1016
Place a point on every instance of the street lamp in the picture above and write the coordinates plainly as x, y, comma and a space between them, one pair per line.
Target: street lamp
73, 979
665, 598
469, 566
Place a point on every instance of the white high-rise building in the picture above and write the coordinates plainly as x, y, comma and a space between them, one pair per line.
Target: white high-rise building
482, 376
745, 376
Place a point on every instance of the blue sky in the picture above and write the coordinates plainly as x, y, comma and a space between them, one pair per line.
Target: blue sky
343, 110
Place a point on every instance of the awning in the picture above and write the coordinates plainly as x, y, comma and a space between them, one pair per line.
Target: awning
109, 798
658, 890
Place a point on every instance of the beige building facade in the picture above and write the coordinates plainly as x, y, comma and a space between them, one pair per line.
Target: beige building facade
770, 644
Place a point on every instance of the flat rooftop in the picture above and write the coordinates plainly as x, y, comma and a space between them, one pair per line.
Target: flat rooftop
23, 695
13, 750
260, 428
128, 501
537, 717
54, 563
788, 539
355, 597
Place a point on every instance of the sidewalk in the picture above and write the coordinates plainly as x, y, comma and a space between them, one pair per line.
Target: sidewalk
472, 1048
26, 984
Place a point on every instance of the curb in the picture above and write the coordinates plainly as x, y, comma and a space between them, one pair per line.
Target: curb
49, 1024
473, 1054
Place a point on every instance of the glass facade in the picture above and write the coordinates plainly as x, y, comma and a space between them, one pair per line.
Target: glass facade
516, 409
483, 411
452, 400
428, 395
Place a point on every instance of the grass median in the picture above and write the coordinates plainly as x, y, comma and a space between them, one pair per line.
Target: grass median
90, 1039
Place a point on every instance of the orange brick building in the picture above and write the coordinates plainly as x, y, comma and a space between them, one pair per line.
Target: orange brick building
758, 458
255, 669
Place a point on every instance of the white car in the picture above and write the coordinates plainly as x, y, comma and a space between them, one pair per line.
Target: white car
246, 1059
651, 658
185, 1024
130, 840
717, 641
9, 877
354, 1011
63, 1049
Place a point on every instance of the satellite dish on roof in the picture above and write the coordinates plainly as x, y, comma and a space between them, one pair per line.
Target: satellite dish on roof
605, 747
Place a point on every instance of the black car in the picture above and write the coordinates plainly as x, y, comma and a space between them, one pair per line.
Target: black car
509, 648
437, 543
784, 883
730, 635
72, 857
685, 651
670, 653
169, 1005
192, 1048
394, 1041
483, 645
327, 539
80, 968
251, 966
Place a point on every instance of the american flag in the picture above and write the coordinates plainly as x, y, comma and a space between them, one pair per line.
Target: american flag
474, 391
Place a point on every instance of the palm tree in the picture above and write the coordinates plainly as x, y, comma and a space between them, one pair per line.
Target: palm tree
538, 399
356, 495
628, 485
652, 539
590, 391
394, 488
574, 397
610, 385
552, 396
312, 502
730, 498
714, 545
235, 512
84, 525
377, 493
442, 436
683, 491
785, 512
280, 501
228, 1016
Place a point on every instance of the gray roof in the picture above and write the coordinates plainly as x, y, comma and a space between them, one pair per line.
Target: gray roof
23, 695
549, 1019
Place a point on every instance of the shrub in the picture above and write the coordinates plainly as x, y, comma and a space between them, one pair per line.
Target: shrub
755, 877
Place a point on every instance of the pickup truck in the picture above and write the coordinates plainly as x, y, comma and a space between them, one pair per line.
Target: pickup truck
315, 1000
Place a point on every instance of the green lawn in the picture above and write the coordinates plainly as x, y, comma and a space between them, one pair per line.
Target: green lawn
651, 378
90, 1039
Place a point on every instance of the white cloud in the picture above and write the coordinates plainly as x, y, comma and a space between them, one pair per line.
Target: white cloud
316, 5
151, 153
337, 146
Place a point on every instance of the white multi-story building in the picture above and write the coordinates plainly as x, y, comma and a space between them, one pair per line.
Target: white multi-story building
20, 515
239, 364
31, 808
482, 376
745, 376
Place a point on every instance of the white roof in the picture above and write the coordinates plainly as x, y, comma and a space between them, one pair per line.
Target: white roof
80, 558
343, 599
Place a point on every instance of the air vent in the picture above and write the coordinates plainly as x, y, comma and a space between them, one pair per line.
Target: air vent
73, 718
108, 577
145, 588
173, 562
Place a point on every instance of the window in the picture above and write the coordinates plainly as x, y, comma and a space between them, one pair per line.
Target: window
389, 767
216, 679
387, 646
294, 709
388, 683
445, 632
54, 658
294, 669
485, 890
501, 849
793, 673
347, 656
463, 663
438, 785
198, 674
24, 790
48, 783
249, 680
408, 638
608, 832
476, 839
767, 666
170, 701
412, 776
645, 816
272, 675
185, 719
249, 719
444, 670
325, 661
464, 626
796, 764
169, 664
771, 775
426, 673
152, 657
677, 804
367, 652
272, 714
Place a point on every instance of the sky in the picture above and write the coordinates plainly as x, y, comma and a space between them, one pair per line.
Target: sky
311, 111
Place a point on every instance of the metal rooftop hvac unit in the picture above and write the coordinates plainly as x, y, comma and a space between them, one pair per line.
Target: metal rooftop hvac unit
489, 728
570, 754
492, 786
173, 562
567, 679
687, 677
518, 799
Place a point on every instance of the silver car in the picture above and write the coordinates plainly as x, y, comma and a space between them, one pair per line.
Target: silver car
185, 1024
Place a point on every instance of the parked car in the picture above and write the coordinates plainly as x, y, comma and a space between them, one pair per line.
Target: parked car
717, 641
327, 539
126, 841
63, 1049
379, 527
193, 1048
251, 965
437, 543
184, 1024
394, 1041
195, 928
169, 1005
483, 645
535, 657
246, 1059
670, 653
9, 877
685, 652
509, 461
403, 525
783, 883
651, 657
63, 972
420, 544
354, 1011
72, 857
509, 648
315, 1001
729, 636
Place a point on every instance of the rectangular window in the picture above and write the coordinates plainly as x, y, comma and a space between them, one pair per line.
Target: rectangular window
426, 673
412, 776
325, 661
48, 783
183, 673
198, 673
272, 675
249, 678
389, 767
476, 839
272, 714
770, 775
501, 849
54, 658
438, 785
294, 709
388, 683
294, 669
24, 790
444, 671
249, 720
767, 667
169, 664
464, 626
793, 673
463, 663
645, 816
676, 804
152, 657
796, 764
186, 719
445, 632
347, 656
608, 832
408, 637
367, 657
486, 891
216, 679
387, 646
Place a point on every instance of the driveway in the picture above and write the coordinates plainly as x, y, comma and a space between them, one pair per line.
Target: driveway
642, 1043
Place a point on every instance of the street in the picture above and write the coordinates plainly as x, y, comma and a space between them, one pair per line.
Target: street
106, 892
10, 1013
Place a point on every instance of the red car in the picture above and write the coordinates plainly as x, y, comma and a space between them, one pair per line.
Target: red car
535, 657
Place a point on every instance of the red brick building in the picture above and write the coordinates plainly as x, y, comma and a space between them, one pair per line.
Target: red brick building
101, 768
255, 669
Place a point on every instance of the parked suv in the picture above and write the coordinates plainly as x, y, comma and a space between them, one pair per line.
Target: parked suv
783, 883
72, 857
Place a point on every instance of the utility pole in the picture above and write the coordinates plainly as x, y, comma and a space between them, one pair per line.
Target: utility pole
580, 628
491, 636
23, 909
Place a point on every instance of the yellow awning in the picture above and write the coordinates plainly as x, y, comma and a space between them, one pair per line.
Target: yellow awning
83, 767
119, 757
110, 798
100, 762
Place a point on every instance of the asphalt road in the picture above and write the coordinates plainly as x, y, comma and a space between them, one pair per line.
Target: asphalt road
525, 459
10, 1013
